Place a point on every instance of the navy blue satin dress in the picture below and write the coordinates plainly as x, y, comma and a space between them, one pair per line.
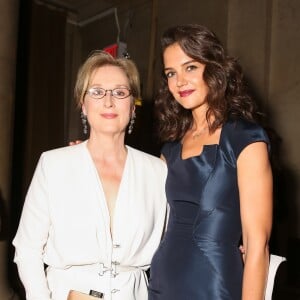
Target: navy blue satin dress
199, 258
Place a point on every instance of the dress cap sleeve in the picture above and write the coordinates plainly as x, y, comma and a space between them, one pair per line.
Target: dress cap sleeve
238, 134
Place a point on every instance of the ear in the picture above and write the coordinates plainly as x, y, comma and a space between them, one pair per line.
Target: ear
83, 109
133, 110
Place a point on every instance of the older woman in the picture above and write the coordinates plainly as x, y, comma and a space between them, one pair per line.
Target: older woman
94, 212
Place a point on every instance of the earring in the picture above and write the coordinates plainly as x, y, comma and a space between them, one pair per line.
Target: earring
84, 122
131, 123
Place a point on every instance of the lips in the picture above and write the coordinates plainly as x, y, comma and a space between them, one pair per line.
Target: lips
109, 115
185, 93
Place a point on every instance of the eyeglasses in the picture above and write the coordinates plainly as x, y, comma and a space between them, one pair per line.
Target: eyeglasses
99, 93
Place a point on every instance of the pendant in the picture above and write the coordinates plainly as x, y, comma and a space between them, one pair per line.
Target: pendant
197, 134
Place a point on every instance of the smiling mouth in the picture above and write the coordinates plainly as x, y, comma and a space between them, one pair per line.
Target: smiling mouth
185, 93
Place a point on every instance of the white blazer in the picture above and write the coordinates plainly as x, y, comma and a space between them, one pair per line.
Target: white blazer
65, 224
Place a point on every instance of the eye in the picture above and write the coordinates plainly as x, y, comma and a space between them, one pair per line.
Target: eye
191, 68
170, 74
97, 92
120, 92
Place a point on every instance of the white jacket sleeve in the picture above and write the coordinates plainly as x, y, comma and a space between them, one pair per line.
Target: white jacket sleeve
31, 237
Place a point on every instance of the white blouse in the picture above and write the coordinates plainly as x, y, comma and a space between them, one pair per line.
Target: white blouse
65, 224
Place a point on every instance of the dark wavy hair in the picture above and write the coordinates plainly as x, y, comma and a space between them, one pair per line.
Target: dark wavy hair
227, 92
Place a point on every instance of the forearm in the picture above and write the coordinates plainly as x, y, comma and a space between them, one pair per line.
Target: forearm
31, 237
255, 188
255, 274
32, 274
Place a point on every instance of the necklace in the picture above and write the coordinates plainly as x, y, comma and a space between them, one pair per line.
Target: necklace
197, 134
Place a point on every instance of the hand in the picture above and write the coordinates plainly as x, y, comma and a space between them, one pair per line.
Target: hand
76, 142
243, 252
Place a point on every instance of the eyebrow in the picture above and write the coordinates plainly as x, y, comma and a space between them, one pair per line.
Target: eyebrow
100, 85
184, 64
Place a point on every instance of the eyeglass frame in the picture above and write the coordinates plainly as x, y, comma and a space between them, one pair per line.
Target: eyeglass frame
88, 91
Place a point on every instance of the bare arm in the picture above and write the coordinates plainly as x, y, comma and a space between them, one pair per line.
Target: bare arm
255, 188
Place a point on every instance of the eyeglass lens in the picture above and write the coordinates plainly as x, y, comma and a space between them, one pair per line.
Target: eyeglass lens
98, 93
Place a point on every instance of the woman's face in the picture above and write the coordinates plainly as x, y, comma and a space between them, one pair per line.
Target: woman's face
185, 78
108, 114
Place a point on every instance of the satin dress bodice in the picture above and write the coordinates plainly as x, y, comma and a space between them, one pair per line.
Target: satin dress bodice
199, 257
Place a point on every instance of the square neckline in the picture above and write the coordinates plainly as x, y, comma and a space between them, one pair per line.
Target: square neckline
205, 147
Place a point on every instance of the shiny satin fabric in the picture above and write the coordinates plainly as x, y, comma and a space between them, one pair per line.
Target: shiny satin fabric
199, 258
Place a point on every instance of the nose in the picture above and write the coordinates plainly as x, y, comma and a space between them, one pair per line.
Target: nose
181, 80
107, 100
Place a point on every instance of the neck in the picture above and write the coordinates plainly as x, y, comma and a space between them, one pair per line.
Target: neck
199, 118
200, 124
107, 147
197, 133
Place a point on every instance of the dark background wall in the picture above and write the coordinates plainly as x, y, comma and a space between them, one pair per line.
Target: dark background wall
56, 36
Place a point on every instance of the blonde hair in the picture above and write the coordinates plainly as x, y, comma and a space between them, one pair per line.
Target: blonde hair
99, 59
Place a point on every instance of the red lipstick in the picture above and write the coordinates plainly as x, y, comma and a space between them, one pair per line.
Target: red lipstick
185, 93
